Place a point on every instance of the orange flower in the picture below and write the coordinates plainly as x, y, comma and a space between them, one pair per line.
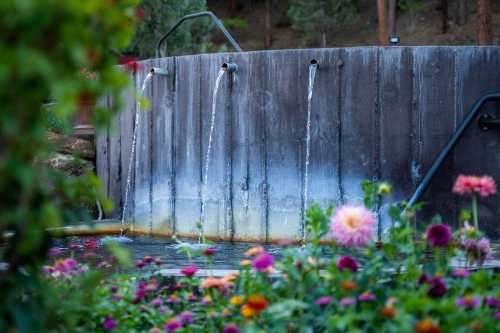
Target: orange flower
257, 302
214, 283
226, 312
427, 326
236, 300
246, 263
246, 311
231, 277
256, 250
388, 311
348, 285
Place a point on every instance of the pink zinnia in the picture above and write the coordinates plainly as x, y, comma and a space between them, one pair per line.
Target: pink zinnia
189, 271
352, 226
263, 262
346, 262
323, 300
367, 297
347, 301
439, 235
484, 186
460, 273
173, 325
468, 302
109, 324
231, 328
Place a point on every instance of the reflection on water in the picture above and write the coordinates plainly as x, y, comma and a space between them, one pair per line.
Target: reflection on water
227, 256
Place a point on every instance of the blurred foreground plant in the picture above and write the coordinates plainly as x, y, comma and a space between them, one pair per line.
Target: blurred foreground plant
46, 47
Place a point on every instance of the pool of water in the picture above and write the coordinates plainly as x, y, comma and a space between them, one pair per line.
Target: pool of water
227, 256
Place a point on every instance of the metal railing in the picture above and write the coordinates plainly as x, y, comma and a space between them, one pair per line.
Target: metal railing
438, 162
214, 18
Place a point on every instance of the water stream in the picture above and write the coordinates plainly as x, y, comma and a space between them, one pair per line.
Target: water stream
132, 158
209, 151
313, 67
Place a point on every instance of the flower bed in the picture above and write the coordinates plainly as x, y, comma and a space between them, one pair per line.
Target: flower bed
392, 285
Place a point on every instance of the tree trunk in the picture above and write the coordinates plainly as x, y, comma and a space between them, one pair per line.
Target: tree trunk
484, 11
323, 38
392, 18
383, 39
269, 33
444, 16
462, 12
232, 8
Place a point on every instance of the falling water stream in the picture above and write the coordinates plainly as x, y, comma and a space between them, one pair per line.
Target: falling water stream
132, 158
208, 155
313, 67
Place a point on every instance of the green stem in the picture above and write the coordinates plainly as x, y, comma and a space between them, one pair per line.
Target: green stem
474, 212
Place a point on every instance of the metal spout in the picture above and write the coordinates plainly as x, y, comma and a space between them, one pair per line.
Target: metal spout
159, 71
230, 67
314, 62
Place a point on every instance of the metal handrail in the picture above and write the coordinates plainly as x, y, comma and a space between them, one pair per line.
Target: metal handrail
438, 162
214, 18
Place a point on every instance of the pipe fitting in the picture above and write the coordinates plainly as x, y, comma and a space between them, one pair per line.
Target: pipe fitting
314, 62
230, 67
159, 71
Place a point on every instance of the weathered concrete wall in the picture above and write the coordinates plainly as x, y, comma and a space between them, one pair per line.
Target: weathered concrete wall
377, 113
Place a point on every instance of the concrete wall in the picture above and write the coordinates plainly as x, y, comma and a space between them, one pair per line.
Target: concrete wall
377, 113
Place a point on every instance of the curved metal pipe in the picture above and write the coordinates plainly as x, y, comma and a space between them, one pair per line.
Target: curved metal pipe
438, 162
214, 18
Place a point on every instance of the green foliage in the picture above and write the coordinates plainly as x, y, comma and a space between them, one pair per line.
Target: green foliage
412, 6
323, 16
44, 47
191, 37
235, 23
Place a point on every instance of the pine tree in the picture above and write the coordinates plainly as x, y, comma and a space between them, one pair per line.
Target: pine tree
321, 16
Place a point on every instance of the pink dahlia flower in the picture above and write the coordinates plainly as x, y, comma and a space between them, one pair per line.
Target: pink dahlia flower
484, 186
352, 226
439, 235
323, 300
109, 324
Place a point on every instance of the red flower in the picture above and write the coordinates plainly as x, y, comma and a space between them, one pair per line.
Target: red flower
130, 63
189, 271
209, 251
346, 262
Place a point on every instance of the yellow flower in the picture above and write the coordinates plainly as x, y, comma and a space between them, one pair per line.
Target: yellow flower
384, 188
247, 311
236, 300
226, 312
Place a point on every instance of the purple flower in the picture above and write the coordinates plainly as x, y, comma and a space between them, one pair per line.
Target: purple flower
157, 302
484, 246
367, 297
439, 235
186, 317
437, 287
113, 289
109, 324
231, 328
139, 264
497, 315
346, 262
148, 259
460, 273
468, 302
173, 325
492, 302
424, 278
116, 297
54, 251
323, 300
347, 301
263, 262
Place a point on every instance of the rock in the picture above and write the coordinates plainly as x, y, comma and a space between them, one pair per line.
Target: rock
70, 164
71, 145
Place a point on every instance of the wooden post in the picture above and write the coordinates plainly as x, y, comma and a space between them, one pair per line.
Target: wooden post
484, 11
392, 18
383, 39
269, 33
